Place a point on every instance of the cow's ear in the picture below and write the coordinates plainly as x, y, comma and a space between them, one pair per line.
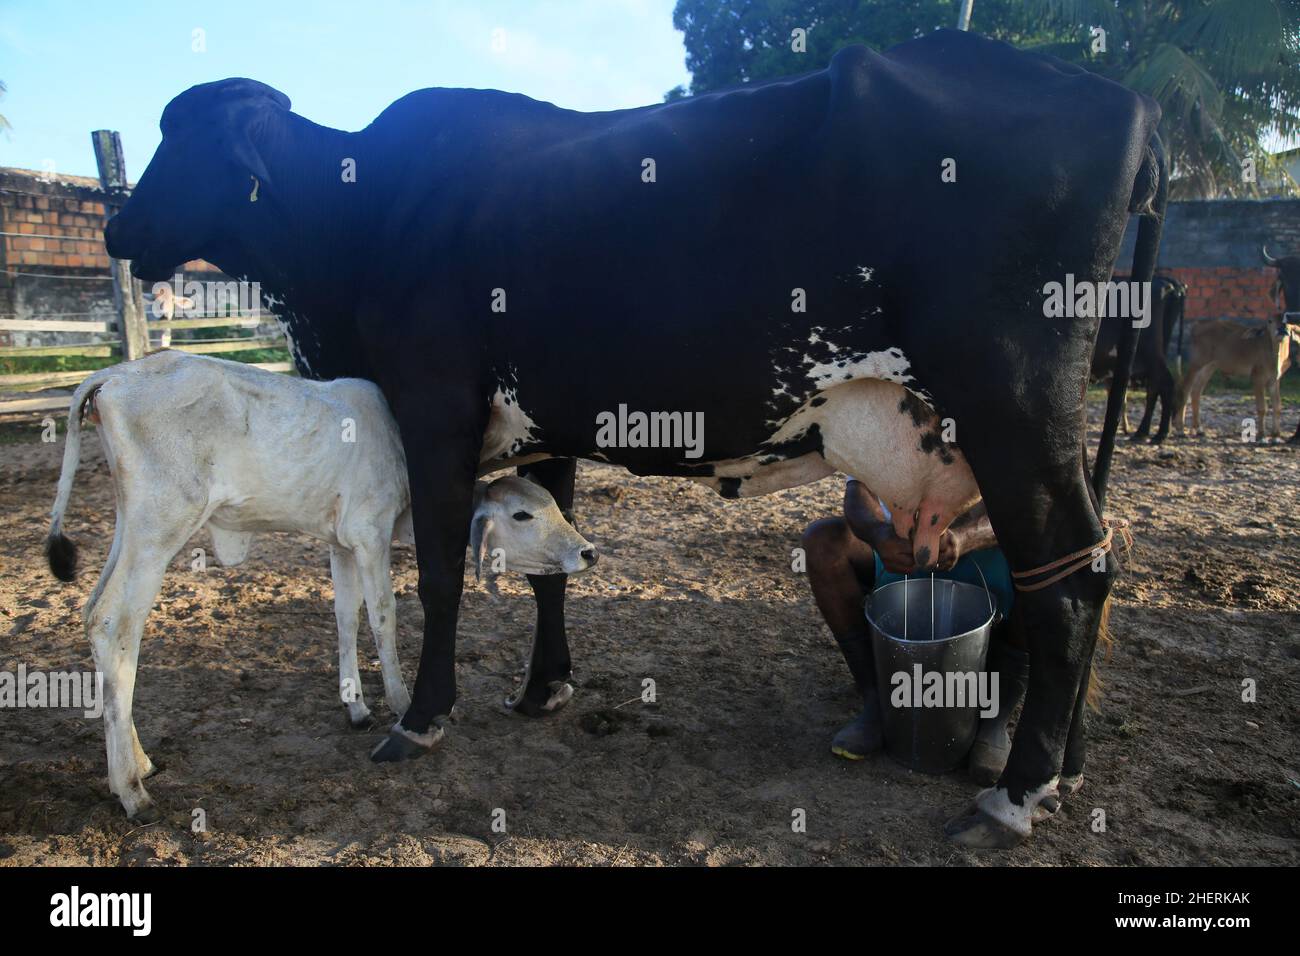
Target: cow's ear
247, 156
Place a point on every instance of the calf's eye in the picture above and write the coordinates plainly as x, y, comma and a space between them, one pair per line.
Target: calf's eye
522, 516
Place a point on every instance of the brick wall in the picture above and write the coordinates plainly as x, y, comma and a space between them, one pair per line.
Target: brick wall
52, 259
1214, 246
58, 223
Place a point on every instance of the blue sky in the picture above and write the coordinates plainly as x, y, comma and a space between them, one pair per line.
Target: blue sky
76, 65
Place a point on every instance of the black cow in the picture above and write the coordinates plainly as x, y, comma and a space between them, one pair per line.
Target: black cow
1168, 302
511, 273
1288, 277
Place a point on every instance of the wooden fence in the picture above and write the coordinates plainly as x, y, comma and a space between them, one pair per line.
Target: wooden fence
132, 333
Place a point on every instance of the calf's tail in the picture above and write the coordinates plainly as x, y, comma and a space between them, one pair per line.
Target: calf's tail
1150, 203
60, 550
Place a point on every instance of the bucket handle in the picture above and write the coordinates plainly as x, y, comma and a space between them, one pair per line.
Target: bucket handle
987, 593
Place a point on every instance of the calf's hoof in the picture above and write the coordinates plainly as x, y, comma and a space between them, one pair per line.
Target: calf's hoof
980, 831
359, 717
399, 705
559, 694
403, 744
145, 812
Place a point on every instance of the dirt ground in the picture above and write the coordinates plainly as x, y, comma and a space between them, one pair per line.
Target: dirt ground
236, 695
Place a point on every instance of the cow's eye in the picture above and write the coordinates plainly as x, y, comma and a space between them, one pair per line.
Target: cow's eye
522, 516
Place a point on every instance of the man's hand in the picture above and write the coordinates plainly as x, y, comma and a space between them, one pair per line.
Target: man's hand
950, 550
895, 552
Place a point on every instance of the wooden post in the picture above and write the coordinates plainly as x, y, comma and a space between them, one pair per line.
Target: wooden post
126, 290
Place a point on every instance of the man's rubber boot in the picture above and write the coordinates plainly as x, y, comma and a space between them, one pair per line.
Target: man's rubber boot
988, 755
863, 734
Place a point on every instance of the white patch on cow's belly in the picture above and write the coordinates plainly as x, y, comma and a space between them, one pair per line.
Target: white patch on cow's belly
891, 365
757, 478
509, 428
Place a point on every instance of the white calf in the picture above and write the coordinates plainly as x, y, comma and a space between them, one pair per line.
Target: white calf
194, 441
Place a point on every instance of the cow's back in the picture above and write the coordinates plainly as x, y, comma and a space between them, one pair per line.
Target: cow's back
261, 451
677, 293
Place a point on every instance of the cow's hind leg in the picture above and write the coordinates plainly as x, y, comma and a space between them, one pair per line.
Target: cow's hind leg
1037, 524
546, 688
347, 613
1162, 386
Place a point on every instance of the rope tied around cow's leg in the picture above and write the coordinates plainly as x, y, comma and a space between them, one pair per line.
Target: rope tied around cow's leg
1078, 559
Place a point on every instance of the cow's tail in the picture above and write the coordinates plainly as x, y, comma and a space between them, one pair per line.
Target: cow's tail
60, 550
1150, 196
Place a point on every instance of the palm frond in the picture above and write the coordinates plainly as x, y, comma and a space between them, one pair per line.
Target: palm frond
1087, 13
1238, 35
1177, 82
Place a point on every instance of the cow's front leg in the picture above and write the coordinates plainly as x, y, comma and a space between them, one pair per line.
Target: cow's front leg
1037, 524
1062, 622
441, 466
546, 688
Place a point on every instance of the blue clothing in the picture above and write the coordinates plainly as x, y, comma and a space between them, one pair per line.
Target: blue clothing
967, 570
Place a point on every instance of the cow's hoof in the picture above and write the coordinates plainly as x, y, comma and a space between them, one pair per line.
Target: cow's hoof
561, 692
403, 744
1046, 808
978, 830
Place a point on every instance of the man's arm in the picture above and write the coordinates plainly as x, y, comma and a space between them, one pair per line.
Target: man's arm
866, 519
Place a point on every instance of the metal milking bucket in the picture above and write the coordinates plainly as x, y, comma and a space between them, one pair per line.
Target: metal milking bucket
944, 627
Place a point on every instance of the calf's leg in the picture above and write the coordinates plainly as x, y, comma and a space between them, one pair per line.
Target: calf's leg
381, 608
115, 626
347, 612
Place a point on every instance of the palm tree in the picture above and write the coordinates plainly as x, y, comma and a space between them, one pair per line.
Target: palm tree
1225, 72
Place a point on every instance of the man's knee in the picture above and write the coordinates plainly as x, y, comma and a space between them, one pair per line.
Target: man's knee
826, 541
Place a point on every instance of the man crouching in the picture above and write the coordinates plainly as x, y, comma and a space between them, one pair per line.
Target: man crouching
851, 556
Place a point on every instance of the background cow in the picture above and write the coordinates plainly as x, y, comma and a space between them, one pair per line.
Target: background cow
1288, 277
1168, 302
1260, 351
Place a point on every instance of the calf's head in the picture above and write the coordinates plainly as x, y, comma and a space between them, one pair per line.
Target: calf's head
523, 520
207, 169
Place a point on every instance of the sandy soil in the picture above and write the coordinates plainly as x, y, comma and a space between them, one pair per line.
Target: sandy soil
236, 694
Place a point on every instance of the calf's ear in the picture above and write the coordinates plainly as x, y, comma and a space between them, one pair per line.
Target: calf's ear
478, 532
